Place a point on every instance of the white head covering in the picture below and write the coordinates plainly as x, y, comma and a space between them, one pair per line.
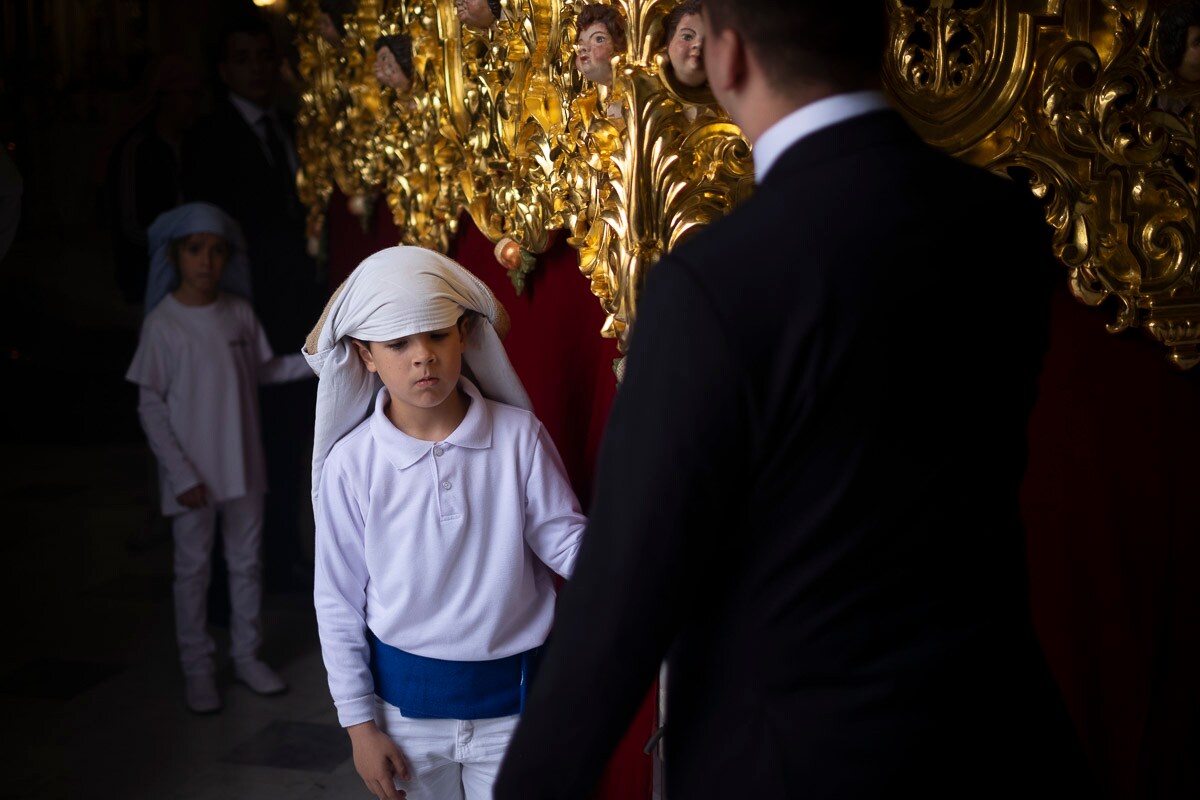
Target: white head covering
183, 221
399, 292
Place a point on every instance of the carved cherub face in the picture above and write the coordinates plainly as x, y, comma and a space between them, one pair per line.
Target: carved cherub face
594, 54
388, 72
475, 14
1189, 67
686, 50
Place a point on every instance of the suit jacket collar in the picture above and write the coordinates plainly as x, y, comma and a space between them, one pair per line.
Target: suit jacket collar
836, 141
807, 120
402, 450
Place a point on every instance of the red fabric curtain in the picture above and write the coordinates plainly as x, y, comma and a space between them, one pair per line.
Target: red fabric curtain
1113, 522
566, 366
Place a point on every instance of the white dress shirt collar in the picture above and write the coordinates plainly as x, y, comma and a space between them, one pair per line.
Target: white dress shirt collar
809, 119
251, 112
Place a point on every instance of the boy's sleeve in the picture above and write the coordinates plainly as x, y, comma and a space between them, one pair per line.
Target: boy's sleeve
272, 368
284, 369
554, 523
156, 422
340, 597
151, 370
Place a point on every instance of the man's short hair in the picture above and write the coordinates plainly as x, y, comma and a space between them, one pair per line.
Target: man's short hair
796, 41
609, 16
678, 13
248, 22
1173, 24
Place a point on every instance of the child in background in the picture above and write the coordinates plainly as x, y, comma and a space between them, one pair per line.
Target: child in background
200, 358
442, 513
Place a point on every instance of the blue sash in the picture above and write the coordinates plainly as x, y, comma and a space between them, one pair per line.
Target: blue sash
432, 688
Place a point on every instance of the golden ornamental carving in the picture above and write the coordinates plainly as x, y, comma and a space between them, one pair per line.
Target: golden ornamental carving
1075, 98
321, 102
1072, 96
423, 158
498, 122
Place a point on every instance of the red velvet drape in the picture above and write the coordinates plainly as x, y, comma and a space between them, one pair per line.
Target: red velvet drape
556, 348
1110, 504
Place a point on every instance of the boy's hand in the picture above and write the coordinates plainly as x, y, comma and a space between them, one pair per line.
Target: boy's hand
378, 761
195, 497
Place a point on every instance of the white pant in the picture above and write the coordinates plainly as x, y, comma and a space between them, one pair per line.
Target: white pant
241, 531
450, 759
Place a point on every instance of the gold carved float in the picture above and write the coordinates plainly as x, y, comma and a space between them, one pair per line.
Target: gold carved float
1071, 96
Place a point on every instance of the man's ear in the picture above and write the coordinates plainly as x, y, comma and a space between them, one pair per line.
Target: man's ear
364, 352
725, 61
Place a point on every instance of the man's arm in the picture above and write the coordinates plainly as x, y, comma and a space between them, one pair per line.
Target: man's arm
673, 440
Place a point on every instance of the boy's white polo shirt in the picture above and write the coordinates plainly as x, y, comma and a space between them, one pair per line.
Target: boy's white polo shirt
440, 548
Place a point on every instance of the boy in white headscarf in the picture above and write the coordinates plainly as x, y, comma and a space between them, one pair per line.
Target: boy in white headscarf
201, 355
443, 512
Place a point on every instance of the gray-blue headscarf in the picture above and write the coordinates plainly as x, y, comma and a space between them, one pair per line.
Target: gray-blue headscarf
183, 221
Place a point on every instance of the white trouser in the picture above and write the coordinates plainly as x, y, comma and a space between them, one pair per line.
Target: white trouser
241, 531
450, 759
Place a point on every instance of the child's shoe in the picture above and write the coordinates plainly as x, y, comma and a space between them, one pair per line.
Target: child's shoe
200, 694
259, 677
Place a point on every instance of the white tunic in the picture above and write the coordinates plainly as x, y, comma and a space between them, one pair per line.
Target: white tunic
443, 549
199, 368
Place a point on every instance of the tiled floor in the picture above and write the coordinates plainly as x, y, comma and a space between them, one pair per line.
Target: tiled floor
89, 684
91, 690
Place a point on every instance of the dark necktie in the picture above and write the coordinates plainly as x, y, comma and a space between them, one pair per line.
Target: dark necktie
281, 164
275, 148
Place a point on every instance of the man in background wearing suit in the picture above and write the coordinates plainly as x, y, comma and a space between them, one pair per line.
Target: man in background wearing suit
799, 503
241, 158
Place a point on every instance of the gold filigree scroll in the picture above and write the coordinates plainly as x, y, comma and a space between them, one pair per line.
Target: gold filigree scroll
321, 103
1073, 97
655, 175
515, 95
499, 122
423, 158
338, 112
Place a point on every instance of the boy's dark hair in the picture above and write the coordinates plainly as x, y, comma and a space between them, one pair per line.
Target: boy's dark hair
797, 41
494, 6
337, 11
677, 14
401, 46
1173, 24
609, 16
248, 22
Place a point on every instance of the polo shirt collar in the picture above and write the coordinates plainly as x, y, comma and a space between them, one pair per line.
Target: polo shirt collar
402, 450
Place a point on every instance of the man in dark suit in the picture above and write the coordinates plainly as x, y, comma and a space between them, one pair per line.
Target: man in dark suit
242, 159
801, 503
